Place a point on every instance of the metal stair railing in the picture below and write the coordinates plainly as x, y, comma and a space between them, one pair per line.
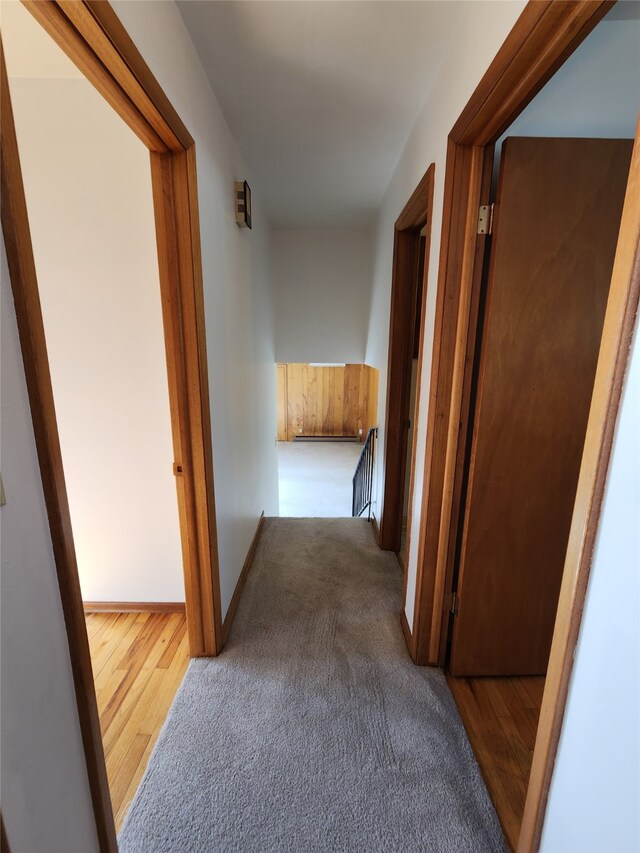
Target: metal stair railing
363, 477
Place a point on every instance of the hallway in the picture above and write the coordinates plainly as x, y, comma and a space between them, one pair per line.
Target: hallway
314, 730
332, 211
315, 478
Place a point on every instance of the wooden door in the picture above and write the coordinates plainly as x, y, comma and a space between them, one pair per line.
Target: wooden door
281, 394
557, 217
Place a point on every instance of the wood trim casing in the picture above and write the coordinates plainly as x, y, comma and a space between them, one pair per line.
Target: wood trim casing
406, 248
543, 37
134, 607
446, 580
442, 455
92, 36
174, 183
414, 214
463, 185
24, 284
235, 599
134, 72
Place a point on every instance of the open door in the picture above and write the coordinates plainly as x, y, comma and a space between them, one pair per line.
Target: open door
557, 217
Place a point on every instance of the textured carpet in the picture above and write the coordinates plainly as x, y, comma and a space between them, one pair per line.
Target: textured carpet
313, 731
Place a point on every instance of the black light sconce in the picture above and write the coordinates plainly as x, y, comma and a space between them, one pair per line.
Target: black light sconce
243, 204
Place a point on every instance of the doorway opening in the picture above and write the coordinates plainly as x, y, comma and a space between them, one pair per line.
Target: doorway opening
102, 319
526, 376
406, 345
326, 415
538, 347
402, 552
94, 39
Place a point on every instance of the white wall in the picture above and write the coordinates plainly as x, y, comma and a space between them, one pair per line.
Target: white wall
88, 188
594, 801
47, 805
237, 291
322, 294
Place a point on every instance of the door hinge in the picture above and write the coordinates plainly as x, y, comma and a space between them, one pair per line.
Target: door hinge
452, 603
485, 219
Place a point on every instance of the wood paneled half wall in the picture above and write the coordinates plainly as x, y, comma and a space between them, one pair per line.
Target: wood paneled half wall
326, 400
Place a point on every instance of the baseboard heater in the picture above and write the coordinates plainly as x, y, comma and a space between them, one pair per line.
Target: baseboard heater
326, 438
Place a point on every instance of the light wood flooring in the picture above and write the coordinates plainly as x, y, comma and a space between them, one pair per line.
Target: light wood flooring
138, 661
501, 719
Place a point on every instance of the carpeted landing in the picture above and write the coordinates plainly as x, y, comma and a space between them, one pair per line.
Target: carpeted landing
314, 731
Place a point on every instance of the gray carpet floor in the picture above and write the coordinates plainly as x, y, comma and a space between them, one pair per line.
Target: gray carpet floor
314, 731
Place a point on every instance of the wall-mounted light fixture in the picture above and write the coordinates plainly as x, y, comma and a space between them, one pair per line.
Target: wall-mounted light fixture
243, 204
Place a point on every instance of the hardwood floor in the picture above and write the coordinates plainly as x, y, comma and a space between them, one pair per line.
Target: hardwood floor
501, 719
138, 662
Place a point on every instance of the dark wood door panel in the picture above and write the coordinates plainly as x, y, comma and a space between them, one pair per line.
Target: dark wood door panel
558, 213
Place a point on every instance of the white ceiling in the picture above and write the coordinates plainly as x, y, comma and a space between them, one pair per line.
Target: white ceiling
321, 96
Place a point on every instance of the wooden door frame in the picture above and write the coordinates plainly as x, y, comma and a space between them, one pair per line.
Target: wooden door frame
415, 215
544, 36
92, 36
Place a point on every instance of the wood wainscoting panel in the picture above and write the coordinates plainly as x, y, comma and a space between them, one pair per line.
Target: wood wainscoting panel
332, 401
